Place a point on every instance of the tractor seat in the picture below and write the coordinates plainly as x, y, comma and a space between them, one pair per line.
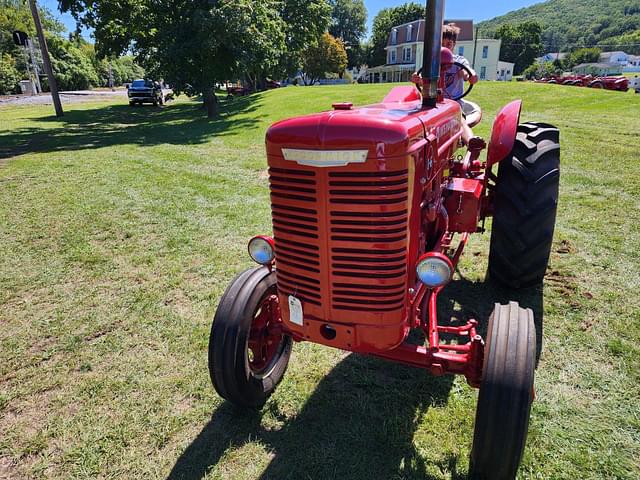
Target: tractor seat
472, 112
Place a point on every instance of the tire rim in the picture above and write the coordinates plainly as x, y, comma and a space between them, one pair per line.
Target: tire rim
266, 339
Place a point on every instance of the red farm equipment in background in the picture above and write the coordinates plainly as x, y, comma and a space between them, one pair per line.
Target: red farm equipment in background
620, 83
372, 208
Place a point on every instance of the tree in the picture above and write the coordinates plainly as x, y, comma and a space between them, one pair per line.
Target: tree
348, 23
305, 23
72, 68
628, 42
521, 44
196, 44
9, 76
384, 21
326, 55
582, 55
539, 70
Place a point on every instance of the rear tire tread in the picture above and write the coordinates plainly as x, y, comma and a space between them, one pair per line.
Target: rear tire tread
525, 207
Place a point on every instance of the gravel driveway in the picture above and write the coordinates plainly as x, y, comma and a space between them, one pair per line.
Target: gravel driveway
65, 97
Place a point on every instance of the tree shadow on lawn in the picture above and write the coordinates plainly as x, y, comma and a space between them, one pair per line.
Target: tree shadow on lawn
358, 424
361, 419
180, 124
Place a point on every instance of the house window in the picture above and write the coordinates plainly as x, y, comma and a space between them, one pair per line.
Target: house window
406, 54
485, 51
409, 32
483, 73
461, 51
394, 36
392, 56
508, 72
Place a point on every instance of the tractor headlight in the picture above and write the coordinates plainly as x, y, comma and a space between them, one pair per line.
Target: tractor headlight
262, 249
434, 269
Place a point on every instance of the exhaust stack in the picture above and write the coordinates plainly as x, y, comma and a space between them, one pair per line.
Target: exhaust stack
434, 16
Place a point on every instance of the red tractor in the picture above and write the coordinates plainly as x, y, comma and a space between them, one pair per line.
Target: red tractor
372, 208
620, 84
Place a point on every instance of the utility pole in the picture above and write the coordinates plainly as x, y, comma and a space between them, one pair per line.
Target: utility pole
475, 47
53, 86
111, 77
34, 62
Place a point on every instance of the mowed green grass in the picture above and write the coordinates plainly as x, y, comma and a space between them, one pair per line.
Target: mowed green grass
121, 227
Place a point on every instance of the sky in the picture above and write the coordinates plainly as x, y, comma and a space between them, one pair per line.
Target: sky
458, 9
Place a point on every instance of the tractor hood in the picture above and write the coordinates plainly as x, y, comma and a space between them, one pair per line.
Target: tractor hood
384, 130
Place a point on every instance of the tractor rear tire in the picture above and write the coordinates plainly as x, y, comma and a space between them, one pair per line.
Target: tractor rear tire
506, 394
526, 201
232, 364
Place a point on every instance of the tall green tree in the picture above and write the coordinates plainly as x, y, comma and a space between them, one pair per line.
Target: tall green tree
327, 55
196, 44
349, 24
304, 23
384, 21
521, 44
582, 55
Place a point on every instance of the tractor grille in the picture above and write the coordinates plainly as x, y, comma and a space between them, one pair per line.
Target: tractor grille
296, 233
368, 232
346, 249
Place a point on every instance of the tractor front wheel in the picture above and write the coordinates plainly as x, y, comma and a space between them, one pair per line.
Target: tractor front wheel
525, 207
248, 351
506, 394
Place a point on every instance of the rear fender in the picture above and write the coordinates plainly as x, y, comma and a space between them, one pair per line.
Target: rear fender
503, 133
402, 94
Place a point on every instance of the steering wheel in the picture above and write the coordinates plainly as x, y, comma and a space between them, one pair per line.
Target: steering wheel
460, 66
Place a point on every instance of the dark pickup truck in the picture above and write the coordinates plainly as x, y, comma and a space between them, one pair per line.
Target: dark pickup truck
148, 91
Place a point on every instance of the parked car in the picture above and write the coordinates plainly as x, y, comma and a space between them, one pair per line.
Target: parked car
237, 91
148, 91
634, 83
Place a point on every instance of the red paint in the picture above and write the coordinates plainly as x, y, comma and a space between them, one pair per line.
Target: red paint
464, 196
402, 95
503, 133
348, 234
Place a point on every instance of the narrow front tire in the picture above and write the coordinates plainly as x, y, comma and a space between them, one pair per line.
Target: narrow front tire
506, 394
248, 351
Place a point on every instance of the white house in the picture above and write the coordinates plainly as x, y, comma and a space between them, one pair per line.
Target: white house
620, 58
405, 50
633, 64
550, 57
505, 71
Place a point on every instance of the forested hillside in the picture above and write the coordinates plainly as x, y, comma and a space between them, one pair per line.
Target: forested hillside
570, 24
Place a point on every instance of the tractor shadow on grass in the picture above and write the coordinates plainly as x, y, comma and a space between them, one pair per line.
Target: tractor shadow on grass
121, 124
463, 299
358, 424
361, 420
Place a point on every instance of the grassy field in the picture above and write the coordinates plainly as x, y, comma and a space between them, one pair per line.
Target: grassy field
120, 228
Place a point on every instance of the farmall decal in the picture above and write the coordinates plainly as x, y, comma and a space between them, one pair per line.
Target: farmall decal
324, 158
445, 130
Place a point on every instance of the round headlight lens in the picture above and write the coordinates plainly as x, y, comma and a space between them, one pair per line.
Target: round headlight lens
261, 250
434, 270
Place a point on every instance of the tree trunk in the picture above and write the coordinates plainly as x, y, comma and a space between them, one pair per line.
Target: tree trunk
211, 103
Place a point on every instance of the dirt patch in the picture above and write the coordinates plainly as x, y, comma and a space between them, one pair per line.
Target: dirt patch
565, 247
26, 417
9, 469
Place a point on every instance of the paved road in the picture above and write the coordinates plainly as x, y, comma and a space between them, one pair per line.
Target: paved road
65, 97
